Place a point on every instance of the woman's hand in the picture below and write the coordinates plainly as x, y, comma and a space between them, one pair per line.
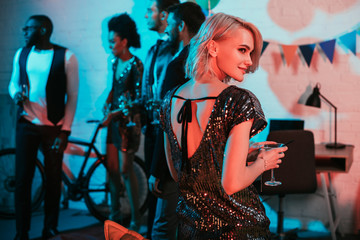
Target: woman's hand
106, 109
254, 150
154, 185
106, 120
271, 158
20, 98
256, 145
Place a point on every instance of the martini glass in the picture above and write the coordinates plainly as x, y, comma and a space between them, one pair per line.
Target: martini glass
125, 102
153, 106
273, 182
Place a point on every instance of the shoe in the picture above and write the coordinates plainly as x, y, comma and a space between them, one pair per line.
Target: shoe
49, 233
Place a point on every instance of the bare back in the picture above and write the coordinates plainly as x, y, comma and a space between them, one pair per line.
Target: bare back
201, 110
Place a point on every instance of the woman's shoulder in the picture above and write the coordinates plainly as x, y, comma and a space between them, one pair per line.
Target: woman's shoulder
165, 104
233, 89
138, 61
170, 93
240, 99
241, 105
238, 93
195, 90
137, 65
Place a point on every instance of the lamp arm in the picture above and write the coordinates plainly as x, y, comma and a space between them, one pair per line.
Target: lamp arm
335, 110
328, 101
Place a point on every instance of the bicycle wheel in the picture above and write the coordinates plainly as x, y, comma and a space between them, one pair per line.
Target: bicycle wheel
97, 196
7, 184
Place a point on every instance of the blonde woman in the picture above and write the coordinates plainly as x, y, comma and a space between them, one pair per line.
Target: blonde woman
208, 125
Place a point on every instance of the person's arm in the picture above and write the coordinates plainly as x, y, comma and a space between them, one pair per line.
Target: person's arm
108, 115
72, 75
14, 86
146, 69
158, 164
109, 97
72, 87
235, 174
169, 159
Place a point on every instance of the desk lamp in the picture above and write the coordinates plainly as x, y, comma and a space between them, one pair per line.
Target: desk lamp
314, 101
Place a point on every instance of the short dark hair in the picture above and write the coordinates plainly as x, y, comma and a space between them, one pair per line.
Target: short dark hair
163, 5
45, 21
125, 27
189, 12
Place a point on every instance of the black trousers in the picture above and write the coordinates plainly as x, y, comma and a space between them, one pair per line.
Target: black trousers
29, 139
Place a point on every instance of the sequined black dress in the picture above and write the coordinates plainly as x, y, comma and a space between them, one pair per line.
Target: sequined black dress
125, 138
205, 210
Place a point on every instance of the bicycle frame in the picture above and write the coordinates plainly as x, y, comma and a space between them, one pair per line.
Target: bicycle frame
76, 186
91, 183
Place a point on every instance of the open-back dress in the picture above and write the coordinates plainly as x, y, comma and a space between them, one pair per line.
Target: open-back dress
204, 208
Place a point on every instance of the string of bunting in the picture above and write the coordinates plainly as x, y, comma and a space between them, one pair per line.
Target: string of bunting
347, 41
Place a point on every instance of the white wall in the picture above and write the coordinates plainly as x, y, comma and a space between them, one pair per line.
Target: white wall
81, 26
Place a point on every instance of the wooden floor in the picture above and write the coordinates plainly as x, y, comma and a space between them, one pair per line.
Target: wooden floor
73, 224
80, 225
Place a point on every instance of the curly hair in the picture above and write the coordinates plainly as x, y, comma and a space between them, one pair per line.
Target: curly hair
125, 27
216, 28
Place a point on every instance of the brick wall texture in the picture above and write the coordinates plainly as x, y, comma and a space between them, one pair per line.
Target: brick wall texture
81, 25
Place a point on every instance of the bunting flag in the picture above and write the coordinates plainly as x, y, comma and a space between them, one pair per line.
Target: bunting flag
307, 52
289, 52
346, 41
349, 41
265, 44
328, 47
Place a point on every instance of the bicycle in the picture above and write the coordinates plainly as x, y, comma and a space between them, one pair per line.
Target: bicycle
92, 185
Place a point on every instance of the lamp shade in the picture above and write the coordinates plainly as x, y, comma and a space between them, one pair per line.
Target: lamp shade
315, 101
314, 98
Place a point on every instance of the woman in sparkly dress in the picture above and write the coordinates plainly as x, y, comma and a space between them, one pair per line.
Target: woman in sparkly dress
122, 116
208, 125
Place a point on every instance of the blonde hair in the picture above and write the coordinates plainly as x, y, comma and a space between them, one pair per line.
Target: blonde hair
216, 28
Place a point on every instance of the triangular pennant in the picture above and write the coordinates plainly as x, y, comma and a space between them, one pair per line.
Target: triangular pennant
289, 52
307, 51
349, 41
265, 44
328, 47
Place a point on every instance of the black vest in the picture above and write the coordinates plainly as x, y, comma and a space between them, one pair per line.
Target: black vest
56, 83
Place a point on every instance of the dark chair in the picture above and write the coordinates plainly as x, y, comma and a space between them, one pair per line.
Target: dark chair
297, 171
286, 124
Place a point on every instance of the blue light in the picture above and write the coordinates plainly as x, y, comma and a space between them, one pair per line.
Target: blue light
307, 228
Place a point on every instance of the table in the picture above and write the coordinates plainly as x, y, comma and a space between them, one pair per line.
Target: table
333, 160
329, 160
